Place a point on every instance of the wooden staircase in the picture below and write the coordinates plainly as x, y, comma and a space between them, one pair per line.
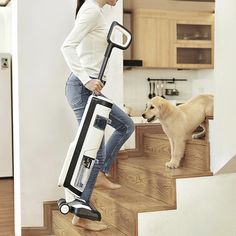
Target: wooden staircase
147, 185
61, 226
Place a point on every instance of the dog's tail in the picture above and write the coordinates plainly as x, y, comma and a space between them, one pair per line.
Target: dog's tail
200, 134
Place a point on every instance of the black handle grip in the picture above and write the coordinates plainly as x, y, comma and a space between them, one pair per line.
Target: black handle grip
112, 44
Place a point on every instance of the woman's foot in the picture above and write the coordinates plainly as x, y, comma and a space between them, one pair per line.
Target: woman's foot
88, 224
104, 182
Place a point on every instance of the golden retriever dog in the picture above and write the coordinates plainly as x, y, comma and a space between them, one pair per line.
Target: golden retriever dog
179, 122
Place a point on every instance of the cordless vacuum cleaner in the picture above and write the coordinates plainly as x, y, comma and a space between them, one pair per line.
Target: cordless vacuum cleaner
83, 150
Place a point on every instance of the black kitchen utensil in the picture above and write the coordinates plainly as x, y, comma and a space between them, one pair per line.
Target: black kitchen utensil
150, 90
154, 94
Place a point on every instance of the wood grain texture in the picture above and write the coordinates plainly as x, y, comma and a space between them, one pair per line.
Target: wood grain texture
46, 229
156, 166
62, 227
121, 207
196, 151
148, 183
140, 130
141, 25
157, 47
6, 207
123, 154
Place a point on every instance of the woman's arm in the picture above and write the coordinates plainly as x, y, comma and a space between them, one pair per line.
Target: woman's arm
85, 22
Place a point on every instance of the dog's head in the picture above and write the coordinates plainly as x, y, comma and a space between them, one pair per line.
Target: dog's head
157, 107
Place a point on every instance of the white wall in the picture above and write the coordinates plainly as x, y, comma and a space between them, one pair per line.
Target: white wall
205, 206
136, 86
221, 81
5, 29
223, 133
47, 124
204, 82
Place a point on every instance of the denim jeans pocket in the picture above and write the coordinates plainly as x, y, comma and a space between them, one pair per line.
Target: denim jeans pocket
73, 93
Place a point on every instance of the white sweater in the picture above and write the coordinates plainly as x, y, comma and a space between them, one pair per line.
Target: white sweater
85, 46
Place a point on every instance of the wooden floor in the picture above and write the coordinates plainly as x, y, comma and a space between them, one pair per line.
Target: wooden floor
6, 207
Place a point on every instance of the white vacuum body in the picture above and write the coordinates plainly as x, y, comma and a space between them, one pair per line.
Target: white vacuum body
83, 150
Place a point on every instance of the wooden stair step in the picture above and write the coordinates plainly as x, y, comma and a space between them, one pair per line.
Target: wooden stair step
147, 176
121, 207
144, 181
152, 165
196, 151
164, 137
62, 227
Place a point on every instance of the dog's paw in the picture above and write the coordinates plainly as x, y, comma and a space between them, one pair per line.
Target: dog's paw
197, 136
172, 164
194, 136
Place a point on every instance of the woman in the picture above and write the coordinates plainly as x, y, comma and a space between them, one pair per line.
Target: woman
83, 51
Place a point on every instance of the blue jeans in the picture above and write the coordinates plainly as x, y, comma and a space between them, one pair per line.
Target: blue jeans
77, 95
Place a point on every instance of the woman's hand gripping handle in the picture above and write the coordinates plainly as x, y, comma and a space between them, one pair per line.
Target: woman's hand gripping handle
94, 85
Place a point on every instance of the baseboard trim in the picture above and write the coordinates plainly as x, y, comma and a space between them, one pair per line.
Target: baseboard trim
7, 177
46, 229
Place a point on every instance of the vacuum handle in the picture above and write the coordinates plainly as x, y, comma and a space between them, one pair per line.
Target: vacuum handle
115, 26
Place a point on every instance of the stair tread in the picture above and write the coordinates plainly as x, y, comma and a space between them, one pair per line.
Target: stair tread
75, 230
163, 136
157, 166
132, 200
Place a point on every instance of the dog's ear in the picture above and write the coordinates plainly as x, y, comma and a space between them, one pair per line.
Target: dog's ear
162, 107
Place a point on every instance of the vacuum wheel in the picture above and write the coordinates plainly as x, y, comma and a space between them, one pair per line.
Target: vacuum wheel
63, 206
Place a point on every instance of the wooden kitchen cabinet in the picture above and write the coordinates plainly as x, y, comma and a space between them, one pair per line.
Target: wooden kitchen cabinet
150, 39
193, 41
145, 43
170, 39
